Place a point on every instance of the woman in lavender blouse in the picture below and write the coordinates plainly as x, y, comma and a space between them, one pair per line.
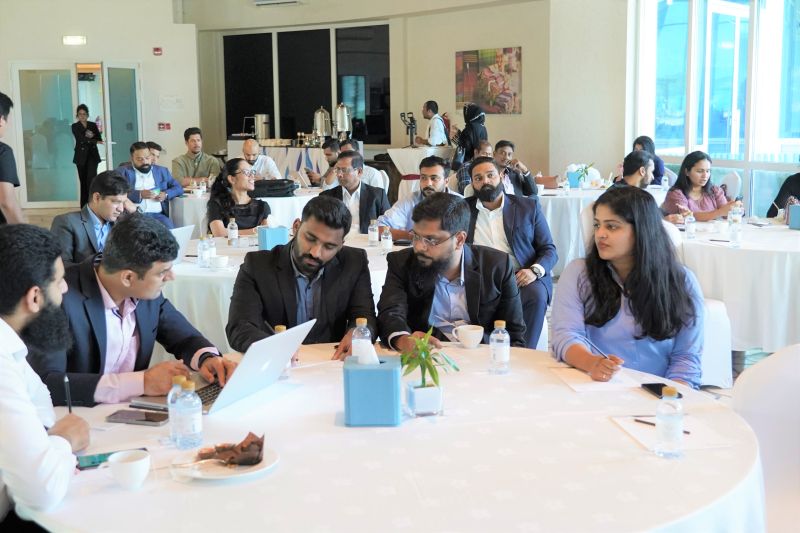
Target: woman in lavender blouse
693, 191
630, 297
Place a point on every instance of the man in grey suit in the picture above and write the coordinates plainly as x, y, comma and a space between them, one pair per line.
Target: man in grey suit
83, 233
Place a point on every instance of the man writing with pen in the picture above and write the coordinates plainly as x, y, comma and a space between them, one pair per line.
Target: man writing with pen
116, 314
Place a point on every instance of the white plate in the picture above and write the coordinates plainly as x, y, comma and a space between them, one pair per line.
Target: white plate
212, 470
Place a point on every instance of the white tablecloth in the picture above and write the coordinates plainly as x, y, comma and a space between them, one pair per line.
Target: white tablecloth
190, 209
759, 282
521, 452
407, 161
203, 295
563, 214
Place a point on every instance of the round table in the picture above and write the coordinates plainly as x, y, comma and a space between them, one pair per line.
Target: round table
520, 452
407, 161
203, 295
189, 209
759, 282
563, 214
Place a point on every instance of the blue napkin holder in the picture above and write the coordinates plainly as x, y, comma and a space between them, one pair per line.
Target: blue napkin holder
269, 238
574, 179
372, 392
794, 216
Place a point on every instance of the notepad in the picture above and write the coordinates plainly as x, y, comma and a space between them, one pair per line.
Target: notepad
580, 381
701, 436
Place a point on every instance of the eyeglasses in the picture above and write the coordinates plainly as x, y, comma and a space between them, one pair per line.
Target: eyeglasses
428, 243
247, 173
343, 170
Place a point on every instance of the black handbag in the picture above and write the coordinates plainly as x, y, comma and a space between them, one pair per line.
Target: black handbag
273, 188
458, 158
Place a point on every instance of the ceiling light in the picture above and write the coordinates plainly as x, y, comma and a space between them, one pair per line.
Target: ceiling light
74, 40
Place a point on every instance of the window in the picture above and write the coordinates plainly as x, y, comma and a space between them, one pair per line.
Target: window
248, 80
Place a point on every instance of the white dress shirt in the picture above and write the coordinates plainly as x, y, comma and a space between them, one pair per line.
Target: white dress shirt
436, 134
35, 468
147, 182
353, 204
489, 230
265, 167
372, 176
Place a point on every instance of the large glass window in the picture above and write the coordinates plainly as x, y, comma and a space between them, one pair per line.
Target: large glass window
304, 74
248, 80
669, 112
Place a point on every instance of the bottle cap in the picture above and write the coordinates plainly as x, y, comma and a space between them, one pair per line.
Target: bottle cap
202, 237
669, 391
499, 324
188, 385
361, 322
177, 380
280, 329
373, 221
232, 219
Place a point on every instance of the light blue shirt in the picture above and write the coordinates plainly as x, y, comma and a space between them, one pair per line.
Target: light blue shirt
101, 230
675, 358
399, 215
308, 292
449, 307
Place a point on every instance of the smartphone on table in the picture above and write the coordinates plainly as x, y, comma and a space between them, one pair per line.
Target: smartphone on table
141, 418
655, 389
87, 462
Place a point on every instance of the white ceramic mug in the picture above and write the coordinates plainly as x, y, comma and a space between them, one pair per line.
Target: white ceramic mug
219, 261
130, 468
468, 335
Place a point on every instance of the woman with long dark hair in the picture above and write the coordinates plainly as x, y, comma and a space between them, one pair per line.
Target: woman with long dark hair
643, 142
630, 297
474, 131
86, 157
693, 191
230, 199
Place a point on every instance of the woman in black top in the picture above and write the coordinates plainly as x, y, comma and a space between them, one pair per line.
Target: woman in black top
86, 155
474, 131
790, 187
229, 199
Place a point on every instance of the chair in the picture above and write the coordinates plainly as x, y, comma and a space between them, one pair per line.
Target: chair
732, 184
385, 178
544, 339
468, 191
452, 182
767, 396
671, 176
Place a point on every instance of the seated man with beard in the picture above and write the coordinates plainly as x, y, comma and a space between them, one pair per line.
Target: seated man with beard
444, 282
117, 313
36, 451
432, 179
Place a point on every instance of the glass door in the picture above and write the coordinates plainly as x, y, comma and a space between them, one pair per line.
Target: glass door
123, 124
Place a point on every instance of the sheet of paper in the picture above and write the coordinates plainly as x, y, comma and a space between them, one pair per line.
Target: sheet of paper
580, 381
701, 437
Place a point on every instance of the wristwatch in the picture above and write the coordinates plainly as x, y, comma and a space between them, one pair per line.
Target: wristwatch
538, 271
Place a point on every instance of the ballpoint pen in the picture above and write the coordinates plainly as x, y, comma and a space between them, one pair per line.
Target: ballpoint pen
66, 392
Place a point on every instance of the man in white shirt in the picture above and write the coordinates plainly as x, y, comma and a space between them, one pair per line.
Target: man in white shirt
436, 133
263, 165
327, 180
370, 175
36, 451
364, 202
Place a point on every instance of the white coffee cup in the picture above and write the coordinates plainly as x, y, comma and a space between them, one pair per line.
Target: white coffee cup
130, 468
197, 193
540, 189
219, 261
468, 335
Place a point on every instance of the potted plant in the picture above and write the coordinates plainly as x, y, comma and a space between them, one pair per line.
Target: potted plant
424, 397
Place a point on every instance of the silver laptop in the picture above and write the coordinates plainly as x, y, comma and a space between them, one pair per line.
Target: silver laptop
300, 177
183, 235
260, 367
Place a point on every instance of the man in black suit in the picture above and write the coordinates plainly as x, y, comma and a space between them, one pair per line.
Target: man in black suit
116, 314
517, 178
516, 226
364, 202
314, 276
83, 233
443, 282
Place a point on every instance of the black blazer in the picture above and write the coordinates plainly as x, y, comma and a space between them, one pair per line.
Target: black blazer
75, 233
527, 232
85, 148
264, 296
372, 203
156, 321
524, 184
491, 288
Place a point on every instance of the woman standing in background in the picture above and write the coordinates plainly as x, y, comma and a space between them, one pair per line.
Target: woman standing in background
87, 156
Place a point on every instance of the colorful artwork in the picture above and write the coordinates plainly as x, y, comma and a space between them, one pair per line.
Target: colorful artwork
491, 78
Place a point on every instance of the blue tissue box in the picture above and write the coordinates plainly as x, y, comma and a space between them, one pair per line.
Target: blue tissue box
269, 238
794, 216
574, 179
372, 392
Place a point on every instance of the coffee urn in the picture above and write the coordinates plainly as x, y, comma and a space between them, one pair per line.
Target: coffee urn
322, 125
343, 124
262, 126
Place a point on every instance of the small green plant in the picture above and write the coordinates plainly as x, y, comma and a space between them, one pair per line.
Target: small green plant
427, 359
584, 171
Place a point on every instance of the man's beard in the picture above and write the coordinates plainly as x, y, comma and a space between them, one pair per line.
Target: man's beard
302, 266
427, 191
49, 331
437, 266
488, 193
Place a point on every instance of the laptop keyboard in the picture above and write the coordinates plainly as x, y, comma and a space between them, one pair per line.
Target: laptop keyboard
209, 393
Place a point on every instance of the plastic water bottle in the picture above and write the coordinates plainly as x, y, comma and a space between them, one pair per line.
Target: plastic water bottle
373, 233
566, 187
691, 226
188, 418
500, 347
212, 246
362, 338
233, 232
669, 425
203, 253
735, 217
172, 398
386, 241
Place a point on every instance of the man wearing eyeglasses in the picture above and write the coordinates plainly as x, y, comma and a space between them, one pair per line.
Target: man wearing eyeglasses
152, 186
442, 281
364, 202
516, 226
432, 179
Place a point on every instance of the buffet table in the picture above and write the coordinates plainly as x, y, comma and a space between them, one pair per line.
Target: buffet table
520, 452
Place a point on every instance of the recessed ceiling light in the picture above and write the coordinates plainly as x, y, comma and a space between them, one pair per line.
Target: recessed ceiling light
74, 40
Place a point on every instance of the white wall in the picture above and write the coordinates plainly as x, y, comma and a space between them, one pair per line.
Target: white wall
116, 30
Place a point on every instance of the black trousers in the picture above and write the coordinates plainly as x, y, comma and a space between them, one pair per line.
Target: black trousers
86, 173
15, 524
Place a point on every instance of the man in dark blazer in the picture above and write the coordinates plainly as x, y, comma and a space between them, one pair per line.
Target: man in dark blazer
116, 314
443, 282
83, 233
144, 179
513, 172
314, 276
514, 225
364, 202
